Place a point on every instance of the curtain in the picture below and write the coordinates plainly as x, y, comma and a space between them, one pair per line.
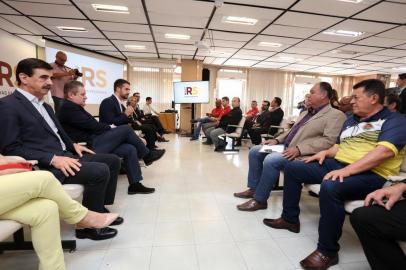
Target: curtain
156, 83
343, 85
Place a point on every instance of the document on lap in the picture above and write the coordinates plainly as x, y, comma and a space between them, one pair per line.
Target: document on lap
279, 148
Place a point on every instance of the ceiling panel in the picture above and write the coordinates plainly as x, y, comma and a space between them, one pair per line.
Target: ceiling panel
264, 17
229, 43
301, 50
272, 65
306, 20
141, 54
229, 36
249, 56
208, 60
52, 24
374, 57
290, 31
266, 3
11, 27
40, 9
286, 42
392, 52
160, 31
136, 12
332, 7
240, 62
179, 12
256, 52
97, 48
27, 24
318, 45
396, 33
128, 36
218, 61
149, 46
217, 52
386, 12
33, 39
88, 41
299, 67
287, 58
123, 27
381, 42
326, 60
324, 69
7, 10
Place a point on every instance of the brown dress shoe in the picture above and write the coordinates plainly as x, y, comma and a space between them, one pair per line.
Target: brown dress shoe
280, 223
248, 194
318, 261
252, 205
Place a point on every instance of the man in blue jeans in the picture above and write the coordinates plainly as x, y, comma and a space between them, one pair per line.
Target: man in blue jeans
103, 138
316, 129
370, 148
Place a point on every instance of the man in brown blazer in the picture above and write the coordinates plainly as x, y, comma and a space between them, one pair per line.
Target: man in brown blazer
316, 129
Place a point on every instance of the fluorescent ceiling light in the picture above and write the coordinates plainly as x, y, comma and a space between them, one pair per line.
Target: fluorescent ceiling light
177, 36
239, 20
343, 33
351, 1
269, 44
344, 52
110, 8
71, 29
135, 47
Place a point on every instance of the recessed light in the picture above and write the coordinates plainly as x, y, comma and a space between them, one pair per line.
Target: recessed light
269, 44
343, 33
71, 29
110, 8
177, 36
239, 20
351, 1
135, 47
348, 52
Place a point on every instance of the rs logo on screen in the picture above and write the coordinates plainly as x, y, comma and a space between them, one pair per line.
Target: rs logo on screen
191, 91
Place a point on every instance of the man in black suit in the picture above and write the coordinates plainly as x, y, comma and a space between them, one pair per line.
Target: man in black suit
401, 84
31, 130
232, 118
81, 126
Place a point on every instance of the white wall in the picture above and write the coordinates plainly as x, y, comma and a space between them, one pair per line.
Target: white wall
12, 50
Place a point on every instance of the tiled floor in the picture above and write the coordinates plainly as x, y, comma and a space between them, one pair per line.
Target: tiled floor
191, 222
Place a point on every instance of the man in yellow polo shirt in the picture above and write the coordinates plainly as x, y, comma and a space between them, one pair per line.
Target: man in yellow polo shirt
368, 150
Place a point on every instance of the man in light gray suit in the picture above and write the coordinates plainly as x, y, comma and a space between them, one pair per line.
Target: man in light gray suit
316, 129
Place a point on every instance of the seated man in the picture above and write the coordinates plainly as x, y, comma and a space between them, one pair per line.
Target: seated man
369, 149
253, 112
231, 118
143, 121
102, 138
381, 225
266, 119
210, 118
345, 106
31, 130
316, 129
225, 103
392, 102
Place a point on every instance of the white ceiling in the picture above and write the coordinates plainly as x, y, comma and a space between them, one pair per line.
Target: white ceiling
297, 24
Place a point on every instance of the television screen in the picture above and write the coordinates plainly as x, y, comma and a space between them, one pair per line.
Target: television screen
191, 92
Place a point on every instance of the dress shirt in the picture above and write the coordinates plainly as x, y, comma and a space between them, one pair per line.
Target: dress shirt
39, 105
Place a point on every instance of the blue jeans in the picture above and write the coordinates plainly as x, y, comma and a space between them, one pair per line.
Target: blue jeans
199, 124
333, 194
263, 172
123, 142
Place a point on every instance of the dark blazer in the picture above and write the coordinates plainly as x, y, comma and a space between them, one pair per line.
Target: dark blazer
110, 112
402, 98
275, 118
80, 125
25, 133
231, 118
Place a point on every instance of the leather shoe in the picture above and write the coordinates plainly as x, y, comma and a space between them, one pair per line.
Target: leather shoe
208, 143
247, 194
219, 148
252, 205
140, 189
280, 223
194, 139
318, 261
96, 234
153, 155
118, 221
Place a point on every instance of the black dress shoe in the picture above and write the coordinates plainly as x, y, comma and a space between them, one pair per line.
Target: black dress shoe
96, 234
153, 155
140, 189
208, 143
162, 139
220, 148
118, 221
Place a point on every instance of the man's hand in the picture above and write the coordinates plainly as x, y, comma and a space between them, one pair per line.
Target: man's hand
66, 164
320, 157
80, 149
392, 195
270, 142
337, 175
291, 153
129, 111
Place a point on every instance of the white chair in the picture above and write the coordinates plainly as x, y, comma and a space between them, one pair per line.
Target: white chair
234, 135
282, 127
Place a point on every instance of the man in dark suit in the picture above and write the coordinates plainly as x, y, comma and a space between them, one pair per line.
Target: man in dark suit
401, 84
232, 118
31, 130
81, 126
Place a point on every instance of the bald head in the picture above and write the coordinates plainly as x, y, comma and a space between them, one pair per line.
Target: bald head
60, 58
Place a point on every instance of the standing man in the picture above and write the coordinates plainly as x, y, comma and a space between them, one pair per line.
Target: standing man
61, 75
31, 130
401, 84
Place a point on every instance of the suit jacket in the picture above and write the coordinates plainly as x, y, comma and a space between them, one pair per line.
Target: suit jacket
110, 112
268, 118
318, 133
25, 132
402, 98
80, 125
231, 118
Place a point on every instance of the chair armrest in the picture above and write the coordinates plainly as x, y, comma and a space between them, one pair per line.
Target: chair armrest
396, 178
237, 126
82, 143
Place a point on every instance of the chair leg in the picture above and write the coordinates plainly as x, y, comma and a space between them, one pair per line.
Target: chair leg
19, 243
